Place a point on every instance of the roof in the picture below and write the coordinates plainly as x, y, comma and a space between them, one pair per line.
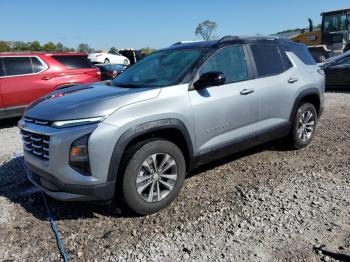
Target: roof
39, 53
228, 40
336, 11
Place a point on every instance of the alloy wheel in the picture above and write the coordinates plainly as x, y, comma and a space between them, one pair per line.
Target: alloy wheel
157, 177
306, 126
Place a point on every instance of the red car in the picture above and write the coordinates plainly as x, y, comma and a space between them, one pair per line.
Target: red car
25, 77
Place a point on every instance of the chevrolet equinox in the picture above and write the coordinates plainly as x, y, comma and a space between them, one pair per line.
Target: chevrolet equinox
135, 138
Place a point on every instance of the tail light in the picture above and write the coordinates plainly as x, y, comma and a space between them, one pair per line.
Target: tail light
112, 74
94, 73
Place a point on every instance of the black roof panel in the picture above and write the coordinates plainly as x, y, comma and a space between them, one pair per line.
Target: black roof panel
229, 40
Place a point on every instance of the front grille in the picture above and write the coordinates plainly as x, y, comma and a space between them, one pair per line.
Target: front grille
36, 144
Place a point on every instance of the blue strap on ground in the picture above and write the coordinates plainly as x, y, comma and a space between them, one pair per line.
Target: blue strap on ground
49, 217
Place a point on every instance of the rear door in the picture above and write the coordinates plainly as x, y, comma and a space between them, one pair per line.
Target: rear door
275, 82
22, 82
77, 70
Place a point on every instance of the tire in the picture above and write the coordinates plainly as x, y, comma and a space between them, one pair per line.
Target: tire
145, 189
126, 62
106, 61
304, 126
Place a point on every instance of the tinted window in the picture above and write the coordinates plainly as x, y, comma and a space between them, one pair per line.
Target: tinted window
37, 65
73, 61
285, 60
230, 61
335, 23
1, 68
17, 66
268, 60
302, 52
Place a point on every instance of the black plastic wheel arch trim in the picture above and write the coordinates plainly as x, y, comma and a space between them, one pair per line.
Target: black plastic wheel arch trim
143, 129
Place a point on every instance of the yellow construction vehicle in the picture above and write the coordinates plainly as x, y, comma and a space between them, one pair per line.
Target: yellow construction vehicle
332, 39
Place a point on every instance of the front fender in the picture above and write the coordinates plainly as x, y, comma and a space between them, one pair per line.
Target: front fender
142, 129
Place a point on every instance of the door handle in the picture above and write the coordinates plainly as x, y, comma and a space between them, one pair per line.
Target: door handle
292, 80
46, 78
247, 91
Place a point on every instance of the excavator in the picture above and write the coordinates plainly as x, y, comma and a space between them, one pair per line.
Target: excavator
332, 39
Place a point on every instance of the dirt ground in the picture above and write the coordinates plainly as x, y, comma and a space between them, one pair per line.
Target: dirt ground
265, 204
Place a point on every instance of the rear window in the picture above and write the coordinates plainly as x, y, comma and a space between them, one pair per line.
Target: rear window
73, 61
38, 66
268, 60
17, 66
302, 52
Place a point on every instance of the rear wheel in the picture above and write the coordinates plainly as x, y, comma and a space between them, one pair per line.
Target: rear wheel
126, 62
153, 176
304, 126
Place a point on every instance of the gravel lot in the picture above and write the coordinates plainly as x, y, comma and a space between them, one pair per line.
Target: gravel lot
265, 204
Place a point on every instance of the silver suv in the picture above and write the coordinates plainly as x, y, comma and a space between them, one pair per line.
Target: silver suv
136, 137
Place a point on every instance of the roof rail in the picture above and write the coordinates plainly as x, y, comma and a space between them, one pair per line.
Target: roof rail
256, 37
187, 42
228, 38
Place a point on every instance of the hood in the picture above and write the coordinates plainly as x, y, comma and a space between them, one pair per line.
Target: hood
85, 101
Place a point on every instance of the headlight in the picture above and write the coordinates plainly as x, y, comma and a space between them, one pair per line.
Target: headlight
77, 122
79, 156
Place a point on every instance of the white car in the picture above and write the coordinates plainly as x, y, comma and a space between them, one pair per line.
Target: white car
106, 58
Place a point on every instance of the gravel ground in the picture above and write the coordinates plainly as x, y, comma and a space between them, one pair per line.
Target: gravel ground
265, 204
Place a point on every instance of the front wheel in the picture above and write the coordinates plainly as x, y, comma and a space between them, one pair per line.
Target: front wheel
153, 176
304, 126
126, 62
106, 61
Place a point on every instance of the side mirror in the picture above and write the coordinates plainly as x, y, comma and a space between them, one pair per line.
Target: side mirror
210, 79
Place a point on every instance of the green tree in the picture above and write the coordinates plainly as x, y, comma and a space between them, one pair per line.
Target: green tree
147, 50
35, 46
19, 46
206, 29
49, 47
113, 50
60, 47
84, 48
4, 46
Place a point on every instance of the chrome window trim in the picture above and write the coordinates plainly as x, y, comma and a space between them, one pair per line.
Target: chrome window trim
41, 61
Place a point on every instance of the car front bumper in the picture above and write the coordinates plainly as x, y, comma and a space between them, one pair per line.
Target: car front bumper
69, 192
56, 177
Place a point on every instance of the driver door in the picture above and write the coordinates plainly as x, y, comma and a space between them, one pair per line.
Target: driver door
224, 115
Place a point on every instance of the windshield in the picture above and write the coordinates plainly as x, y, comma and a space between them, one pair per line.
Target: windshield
161, 68
335, 23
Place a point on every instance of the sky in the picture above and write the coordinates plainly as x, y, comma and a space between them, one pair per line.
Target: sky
150, 23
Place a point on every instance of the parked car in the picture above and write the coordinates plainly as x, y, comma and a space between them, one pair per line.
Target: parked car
132, 54
110, 71
174, 110
106, 58
337, 70
24, 77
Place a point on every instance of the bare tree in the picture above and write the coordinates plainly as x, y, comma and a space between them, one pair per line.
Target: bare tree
206, 29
